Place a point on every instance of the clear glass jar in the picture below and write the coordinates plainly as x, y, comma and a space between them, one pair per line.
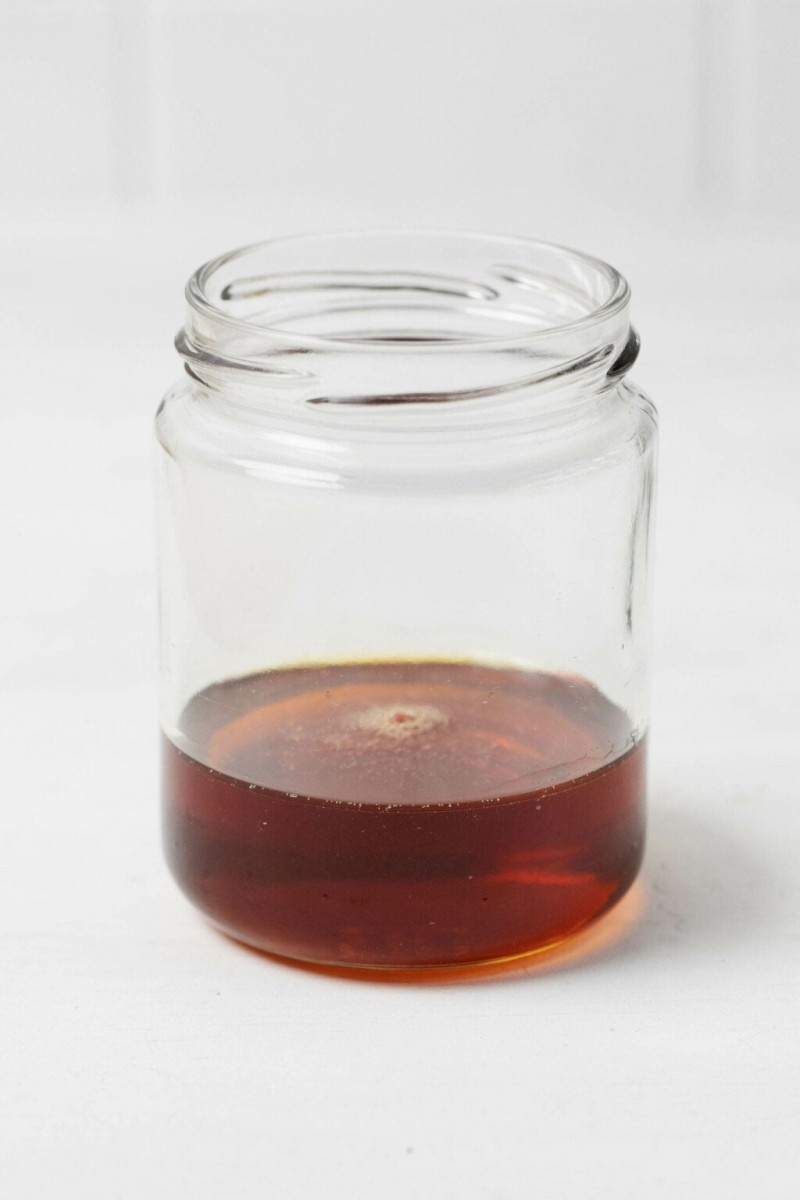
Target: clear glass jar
405, 516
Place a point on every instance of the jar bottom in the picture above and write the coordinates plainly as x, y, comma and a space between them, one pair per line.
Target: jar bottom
466, 822
574, 941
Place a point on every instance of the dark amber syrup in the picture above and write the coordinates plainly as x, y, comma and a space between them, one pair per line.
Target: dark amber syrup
403, 814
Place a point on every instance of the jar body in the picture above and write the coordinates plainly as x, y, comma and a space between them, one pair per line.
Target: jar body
404, 689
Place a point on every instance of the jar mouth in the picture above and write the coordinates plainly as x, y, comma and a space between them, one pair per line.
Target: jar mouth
469, 327
402, 291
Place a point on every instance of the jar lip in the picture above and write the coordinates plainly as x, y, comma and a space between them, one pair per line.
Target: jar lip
603, 308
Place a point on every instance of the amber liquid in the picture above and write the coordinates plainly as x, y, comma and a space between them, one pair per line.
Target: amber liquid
404, 814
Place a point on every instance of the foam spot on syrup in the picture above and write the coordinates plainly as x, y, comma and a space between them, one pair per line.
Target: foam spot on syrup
397, 722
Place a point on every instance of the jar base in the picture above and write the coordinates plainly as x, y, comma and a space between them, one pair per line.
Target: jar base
596, 933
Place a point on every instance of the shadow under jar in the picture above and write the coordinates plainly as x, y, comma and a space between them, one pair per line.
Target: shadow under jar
405, 517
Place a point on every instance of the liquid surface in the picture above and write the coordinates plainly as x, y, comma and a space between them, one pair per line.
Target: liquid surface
403, 814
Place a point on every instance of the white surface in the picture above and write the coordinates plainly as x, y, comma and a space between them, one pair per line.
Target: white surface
144, 1055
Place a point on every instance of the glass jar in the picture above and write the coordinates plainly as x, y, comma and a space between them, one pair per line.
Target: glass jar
405, 516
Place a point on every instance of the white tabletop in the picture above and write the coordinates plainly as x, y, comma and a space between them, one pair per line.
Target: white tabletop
146, 1055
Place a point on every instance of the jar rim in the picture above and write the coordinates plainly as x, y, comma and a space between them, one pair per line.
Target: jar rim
611, 288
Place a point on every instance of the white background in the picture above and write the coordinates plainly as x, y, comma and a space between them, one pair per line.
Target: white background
143, 1055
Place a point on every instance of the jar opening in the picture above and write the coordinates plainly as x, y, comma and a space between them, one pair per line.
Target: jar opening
405, 289
371, 319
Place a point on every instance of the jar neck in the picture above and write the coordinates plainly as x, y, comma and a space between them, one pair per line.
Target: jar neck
381, 333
